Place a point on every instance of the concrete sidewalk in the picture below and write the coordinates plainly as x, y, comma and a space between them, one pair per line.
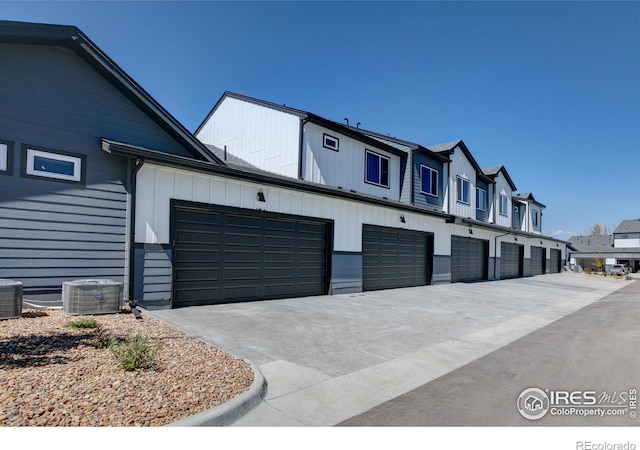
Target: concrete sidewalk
329, 358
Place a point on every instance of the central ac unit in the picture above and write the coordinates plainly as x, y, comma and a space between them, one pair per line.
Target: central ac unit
10, 299
99, 296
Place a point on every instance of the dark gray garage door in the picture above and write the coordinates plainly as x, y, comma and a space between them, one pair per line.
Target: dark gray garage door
227, 255
538, 260
555, 261
469, 259
393, 258
511, 260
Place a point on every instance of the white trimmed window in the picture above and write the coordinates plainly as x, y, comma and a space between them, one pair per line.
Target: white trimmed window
481, 199
534, 218
504, 205
53, 165
463, 185
428, 180
330, 142
376, 169
4, 157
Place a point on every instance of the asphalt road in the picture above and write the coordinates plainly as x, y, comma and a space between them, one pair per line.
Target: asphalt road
596, 348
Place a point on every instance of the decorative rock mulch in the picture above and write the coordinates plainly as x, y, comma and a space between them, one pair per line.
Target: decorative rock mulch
54, 375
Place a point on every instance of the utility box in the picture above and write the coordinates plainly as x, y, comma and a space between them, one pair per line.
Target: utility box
10, 299
97, 296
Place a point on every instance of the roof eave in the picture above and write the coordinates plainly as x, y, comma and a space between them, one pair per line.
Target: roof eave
73, 38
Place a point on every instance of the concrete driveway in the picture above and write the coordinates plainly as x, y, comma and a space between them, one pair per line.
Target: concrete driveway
329, 358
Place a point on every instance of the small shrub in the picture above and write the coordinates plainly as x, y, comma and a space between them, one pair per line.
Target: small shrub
134, 353
628, 278
82, 324
101, 338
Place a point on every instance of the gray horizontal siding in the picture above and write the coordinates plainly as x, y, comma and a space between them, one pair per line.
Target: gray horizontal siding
346, 273
52, 231
425, 200
441, 269
54, 92
153, 269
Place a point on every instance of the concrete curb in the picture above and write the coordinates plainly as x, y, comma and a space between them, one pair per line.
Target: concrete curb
229, 412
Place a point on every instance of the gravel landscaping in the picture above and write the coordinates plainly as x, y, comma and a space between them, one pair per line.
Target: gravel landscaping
56, 375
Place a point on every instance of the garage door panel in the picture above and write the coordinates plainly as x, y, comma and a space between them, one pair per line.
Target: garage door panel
511, 260
469, 259
279, 258
537, 263
395, 257
555, 262
196, 237
242, 257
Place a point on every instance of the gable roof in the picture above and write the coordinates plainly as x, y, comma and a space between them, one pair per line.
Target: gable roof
72, 38
448, 148
493, 171
528, 197
354, 133
412, 146
628, 226
591, 243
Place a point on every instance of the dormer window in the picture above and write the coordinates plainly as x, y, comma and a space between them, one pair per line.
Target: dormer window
428, 180
463, 185
376, 169
534, 218
504, 205
481, 199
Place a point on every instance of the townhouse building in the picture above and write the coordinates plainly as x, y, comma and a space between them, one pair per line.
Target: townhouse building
98, 180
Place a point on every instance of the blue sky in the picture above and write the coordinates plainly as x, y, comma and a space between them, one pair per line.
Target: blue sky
551, 90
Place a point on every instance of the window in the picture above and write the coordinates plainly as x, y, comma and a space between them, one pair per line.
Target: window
330, 142
481, 199
504, 204
4, 157
463, 186
376, 169
65, 167
428, 180
534, 218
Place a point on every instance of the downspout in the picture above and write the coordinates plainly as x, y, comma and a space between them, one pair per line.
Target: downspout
495, 252
132, 225
300, 149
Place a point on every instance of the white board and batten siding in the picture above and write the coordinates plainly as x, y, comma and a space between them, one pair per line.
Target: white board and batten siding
264, 137
502, 188
461, 167
346, 167
157, 185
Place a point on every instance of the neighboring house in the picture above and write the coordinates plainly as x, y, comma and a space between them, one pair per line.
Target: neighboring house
99, 181
622, 247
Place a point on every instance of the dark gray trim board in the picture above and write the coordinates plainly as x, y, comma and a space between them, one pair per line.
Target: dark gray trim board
346, 272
